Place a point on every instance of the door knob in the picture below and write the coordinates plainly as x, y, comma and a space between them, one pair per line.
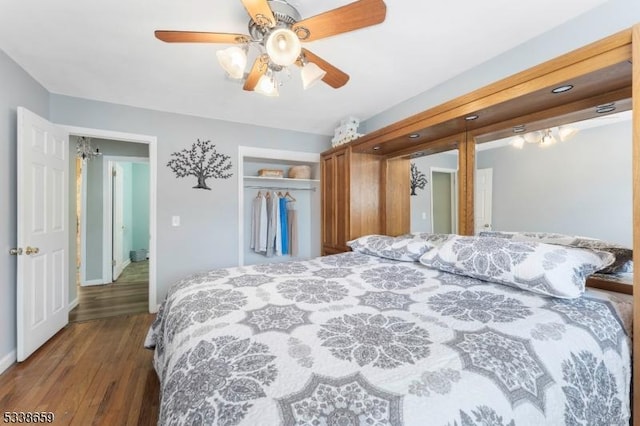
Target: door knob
31, 250
486, 225
15, 251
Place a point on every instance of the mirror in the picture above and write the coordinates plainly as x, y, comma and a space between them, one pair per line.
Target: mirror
434, 192
581, 185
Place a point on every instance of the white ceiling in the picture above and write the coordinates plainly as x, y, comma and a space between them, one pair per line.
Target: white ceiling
105, 50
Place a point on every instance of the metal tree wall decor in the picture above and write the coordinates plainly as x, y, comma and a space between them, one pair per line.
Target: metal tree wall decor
201, 161
418, 179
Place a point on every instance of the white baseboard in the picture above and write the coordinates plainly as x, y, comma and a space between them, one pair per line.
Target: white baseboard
7, 361
126, 263
99, 281
73, 304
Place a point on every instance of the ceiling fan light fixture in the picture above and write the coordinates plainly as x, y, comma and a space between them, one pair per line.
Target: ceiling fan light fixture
267, 86
533, 137
518, 142
283, 46
547, 139
233, 60
311, 73
566, 133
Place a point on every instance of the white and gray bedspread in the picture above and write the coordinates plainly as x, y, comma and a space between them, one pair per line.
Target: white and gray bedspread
352, 339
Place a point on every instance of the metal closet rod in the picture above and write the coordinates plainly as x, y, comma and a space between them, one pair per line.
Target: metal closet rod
279, 188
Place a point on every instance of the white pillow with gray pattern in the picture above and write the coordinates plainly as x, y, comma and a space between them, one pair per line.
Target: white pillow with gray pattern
407, 248
541, 268
623, 256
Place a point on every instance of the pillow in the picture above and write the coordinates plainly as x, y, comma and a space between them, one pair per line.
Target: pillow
406, 248
541, 268
435, 239
623, 256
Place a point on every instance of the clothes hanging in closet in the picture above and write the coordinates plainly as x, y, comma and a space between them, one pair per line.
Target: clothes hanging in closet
274, 225
284, 225
292, 225
256, 206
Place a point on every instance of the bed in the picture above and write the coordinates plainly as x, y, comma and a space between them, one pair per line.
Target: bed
375, 337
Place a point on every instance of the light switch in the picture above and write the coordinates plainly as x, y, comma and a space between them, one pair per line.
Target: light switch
175, 220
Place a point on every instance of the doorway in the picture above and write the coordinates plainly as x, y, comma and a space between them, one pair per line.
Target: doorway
444, 200
143, 294
483, 200
117, 215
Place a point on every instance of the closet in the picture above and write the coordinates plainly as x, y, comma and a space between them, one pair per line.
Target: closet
301, 195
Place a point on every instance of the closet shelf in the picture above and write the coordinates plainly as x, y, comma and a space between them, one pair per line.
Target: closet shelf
272, 179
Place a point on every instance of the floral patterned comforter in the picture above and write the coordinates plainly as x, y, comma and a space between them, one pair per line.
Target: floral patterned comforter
353, 339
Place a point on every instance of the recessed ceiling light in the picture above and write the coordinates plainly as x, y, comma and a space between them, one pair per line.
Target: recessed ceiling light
471, 117
519, 128
414, 135
562, 89
605, 109
375, 148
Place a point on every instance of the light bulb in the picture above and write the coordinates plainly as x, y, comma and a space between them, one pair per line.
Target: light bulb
311, 74
282, 42
267, 86
518, 142
233, 60
283, 46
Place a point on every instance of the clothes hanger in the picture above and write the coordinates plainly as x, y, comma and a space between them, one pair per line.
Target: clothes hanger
280, 194
259, 194
291, 197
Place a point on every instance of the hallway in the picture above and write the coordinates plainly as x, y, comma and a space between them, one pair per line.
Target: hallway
129, 294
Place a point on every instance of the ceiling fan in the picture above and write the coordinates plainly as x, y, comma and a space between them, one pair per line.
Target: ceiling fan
276, 29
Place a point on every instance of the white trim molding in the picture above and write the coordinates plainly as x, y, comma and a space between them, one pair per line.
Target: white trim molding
73, 304
7, 361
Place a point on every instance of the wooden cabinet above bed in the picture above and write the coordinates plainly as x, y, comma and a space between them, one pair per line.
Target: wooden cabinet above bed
349, 182
355, 186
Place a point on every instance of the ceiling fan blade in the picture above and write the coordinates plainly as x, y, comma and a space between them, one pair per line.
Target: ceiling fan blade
359, 14
200, 37
259, 68
333, 77
260, 12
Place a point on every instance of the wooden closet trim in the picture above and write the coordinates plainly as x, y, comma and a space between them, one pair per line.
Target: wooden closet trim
636, 221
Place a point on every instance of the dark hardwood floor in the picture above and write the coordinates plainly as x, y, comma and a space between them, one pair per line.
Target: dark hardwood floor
129, 294
90, 373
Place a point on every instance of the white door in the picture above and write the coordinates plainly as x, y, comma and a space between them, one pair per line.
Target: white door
483, 199
43, 234
118, 220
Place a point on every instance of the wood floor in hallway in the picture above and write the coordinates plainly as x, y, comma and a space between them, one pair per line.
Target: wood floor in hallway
129, 294
90, 373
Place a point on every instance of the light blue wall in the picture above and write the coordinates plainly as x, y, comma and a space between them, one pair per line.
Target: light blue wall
140, 208
579, 187
17, 88
602, 21
208, 235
